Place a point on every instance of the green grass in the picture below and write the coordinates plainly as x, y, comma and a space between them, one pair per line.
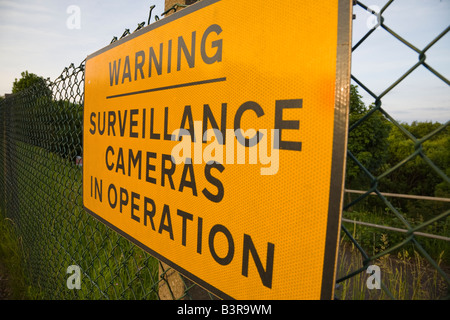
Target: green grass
405, 273
45, 204
370, 237
403, 277
12, 257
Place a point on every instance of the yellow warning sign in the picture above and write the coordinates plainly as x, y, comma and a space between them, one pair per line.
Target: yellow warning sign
215, 139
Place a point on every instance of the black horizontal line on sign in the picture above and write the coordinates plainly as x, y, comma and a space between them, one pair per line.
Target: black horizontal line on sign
181, 85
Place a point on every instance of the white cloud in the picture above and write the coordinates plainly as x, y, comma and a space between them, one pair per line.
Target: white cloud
25, 13
31, 6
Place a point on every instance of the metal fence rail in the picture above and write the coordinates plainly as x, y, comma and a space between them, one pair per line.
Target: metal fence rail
41, 193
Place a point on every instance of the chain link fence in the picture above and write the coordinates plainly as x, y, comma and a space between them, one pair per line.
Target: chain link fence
410, 271
41, 199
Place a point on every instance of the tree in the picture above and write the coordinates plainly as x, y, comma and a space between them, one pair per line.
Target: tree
29, 80
416, 176
367, 142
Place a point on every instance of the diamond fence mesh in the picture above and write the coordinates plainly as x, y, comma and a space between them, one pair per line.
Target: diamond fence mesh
41, 199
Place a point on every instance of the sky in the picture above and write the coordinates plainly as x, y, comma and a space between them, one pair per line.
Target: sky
380, 60
41, 36
45, 36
